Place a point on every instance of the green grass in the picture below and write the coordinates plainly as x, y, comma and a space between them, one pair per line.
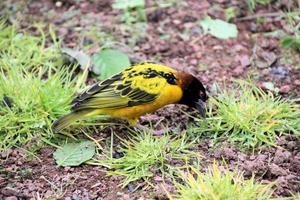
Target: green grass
219, 184
145, 153
26, 51
34, 88
249, 116
292, 40
253, 3
133, 11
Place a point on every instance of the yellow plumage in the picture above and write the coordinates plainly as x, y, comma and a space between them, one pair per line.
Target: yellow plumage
130, 94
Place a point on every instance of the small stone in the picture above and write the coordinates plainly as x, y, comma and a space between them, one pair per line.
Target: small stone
8, 191
220, 1
126, 197
75, 196
281, 156
218, 47
19, 163
85, 7
297, 82
6, 153
261, 157
238, 48
131, 187
58, 4
199, 55
189, 25
66, 169
14, 153
285, 89
245, 61
277, 171
238, 71
194, 62
11, 198
158, 179
120, 193
176, 21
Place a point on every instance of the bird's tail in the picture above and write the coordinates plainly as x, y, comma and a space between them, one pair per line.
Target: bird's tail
66, 120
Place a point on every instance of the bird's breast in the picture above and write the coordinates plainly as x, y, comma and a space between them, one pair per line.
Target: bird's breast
171, 94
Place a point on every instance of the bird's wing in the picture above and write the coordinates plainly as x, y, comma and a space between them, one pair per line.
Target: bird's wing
134, 86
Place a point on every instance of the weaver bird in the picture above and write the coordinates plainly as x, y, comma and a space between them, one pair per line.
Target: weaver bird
137, 90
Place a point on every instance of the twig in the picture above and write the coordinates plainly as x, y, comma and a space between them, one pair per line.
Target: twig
265, 15
94, 140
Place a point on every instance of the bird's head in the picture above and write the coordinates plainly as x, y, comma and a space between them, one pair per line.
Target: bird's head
194, 94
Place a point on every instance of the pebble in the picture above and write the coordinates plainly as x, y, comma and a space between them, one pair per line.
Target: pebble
277, 171
245, 61
131, 187
58, 4
285, 89
280, 71
176, 21
8, 191
238, 71
11, 198
194, 62
75, 196
126, 197
120, 193
297, 82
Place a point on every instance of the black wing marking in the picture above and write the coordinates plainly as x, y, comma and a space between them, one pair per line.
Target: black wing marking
94, 89
116, 92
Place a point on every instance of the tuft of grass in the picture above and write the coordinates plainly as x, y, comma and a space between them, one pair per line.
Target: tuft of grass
219, 185
143, 154
249, 116
26, 51
34, 88
29, 104
253, 3
133, 11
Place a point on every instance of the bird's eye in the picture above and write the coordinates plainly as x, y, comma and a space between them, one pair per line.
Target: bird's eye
171, 80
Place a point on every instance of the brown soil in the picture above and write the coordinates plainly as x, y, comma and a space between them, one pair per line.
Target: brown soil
211, 59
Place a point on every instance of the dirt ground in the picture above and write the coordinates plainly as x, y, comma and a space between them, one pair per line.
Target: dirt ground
253, 54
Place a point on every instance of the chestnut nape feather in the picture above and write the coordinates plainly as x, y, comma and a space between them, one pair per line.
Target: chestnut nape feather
193, 91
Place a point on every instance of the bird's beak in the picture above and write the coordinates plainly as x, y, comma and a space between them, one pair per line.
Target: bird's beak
200, 105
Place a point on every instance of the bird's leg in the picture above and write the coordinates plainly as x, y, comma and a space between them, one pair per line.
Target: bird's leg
133, 122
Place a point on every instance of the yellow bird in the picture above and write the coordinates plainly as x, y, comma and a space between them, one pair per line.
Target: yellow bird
137, 90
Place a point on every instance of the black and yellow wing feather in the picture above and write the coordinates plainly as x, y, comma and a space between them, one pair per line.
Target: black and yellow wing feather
137, 85
134, 86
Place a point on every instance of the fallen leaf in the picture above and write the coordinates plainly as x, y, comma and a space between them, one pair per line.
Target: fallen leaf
109, 62
74, 154
218, 28
125, 4
270, 86
82, 58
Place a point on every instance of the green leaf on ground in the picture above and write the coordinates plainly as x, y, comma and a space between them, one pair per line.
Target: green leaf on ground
109, 62
125, 4
74, 154
270, 86
287, 42
82, 58
218, 28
